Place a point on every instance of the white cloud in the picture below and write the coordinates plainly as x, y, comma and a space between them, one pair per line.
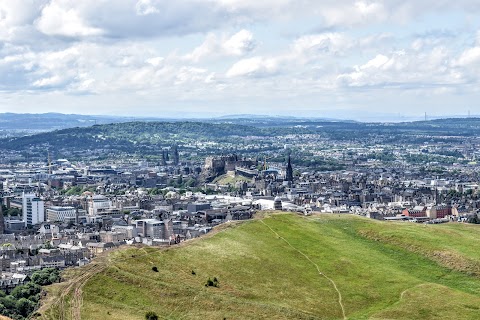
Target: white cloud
145, 7
405, 70
253, 67
354, 13
190, 74
469, 58
16, 19
238, 44
324, 43
219, 50
58, 18
156, 61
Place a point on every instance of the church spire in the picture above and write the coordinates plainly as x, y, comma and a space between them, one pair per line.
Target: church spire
289, 174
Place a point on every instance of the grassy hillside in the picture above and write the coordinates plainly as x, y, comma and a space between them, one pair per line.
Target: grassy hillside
227, 179
286, 267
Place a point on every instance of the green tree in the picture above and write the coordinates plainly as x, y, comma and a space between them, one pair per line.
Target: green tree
25, 307
45, 277
26, 290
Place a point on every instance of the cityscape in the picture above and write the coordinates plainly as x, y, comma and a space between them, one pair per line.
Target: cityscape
239, 159
60, 213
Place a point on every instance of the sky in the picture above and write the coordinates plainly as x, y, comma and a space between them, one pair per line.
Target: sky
159, 58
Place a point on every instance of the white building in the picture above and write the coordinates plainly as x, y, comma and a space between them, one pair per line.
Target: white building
98, 204
33, 209
61, 214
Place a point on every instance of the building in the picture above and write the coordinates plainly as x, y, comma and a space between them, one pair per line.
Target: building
98, 204
198, 206
62, 214
417, 212
277, 204
153, 228
33, 209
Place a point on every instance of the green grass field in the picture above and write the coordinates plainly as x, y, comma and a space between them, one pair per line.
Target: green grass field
381, 270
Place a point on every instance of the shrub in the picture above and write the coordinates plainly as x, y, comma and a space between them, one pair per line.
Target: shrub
155, 269
25, 306
150, 315
46, 276
212, 283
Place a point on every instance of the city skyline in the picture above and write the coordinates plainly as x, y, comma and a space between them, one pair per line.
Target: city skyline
339, 59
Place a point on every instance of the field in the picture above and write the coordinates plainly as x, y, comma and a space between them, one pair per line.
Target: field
283, 266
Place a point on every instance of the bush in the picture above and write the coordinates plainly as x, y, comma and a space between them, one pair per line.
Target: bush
212, 283
46, 276
155, 269
150, 315
26, 290
25, 306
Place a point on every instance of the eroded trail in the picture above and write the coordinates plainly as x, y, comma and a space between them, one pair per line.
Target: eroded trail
73, 292
316, 266
77, 298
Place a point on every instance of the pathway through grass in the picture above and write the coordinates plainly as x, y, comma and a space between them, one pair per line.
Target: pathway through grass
316, 266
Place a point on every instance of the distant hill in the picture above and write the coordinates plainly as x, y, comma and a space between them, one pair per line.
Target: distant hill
146, 136
130, 135
285, 267
52, 121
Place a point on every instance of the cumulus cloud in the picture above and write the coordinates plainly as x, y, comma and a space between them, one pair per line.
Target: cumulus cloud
405, 70
469, 58
238, 44
321, 44
145, 7
253, 67
61, 18
222, 49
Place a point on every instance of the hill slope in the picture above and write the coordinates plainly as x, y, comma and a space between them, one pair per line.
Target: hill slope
286, 267
138, 135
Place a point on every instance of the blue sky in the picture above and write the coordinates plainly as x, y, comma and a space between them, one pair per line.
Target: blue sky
350, 59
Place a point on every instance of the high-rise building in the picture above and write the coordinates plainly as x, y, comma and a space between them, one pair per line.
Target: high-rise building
33, 209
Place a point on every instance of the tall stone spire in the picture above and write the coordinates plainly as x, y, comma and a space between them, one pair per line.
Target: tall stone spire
289, 174
164, 158
2, 221
176, 157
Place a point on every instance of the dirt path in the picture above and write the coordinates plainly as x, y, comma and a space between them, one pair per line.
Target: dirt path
75, 286
77, 298
316, 266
